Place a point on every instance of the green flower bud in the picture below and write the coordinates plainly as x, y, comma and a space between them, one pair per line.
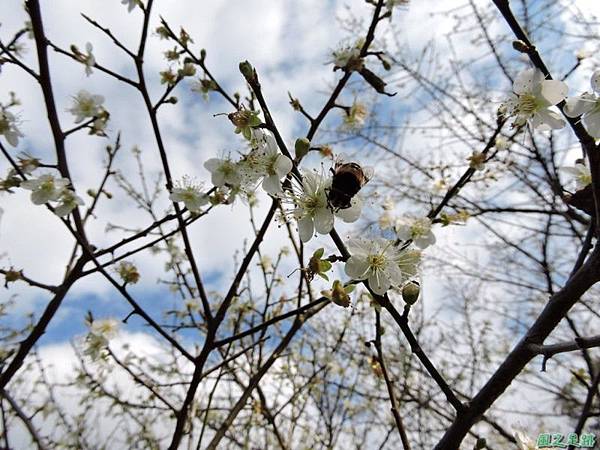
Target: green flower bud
248, 71
301, 146
410, 292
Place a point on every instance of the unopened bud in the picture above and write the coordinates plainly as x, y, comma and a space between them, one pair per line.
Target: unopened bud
248, 71
410, 292
302, 146
521, 46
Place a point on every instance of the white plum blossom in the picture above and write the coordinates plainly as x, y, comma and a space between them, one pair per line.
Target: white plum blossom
265, 161
68, 202
532, 98
348, 56
106, 328
356, 115
312, 209
417, 229
375, 260
8, 127
223, 171
587, 105
86, 105
45, 188
477, 160
190, 194
579, 173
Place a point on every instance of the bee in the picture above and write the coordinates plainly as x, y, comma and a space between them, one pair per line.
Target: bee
348, 179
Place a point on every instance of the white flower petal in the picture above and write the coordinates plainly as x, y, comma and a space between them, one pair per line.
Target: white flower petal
425, 241
546, 118
356, 267
323, 220
394, 274
306, 228
39, 197
576, 106
403, 231
554, 91
271, 185
351, 214
524, 81
595, 81
379, 282
283, 166
592, 124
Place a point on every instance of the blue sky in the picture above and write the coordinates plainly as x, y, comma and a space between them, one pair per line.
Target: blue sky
289, 43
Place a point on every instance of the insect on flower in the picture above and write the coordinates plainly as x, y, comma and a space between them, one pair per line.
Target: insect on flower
348, 179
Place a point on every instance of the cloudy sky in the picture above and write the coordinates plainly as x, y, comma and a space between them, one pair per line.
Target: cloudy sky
288, 41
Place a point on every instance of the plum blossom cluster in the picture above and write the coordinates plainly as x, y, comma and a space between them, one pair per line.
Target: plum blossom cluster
263, 165
46, 188
307, 202
88, 106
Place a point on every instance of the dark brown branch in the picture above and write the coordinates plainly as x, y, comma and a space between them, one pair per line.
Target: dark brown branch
554, 311
388, 383
270, 322
552, 349
40, 327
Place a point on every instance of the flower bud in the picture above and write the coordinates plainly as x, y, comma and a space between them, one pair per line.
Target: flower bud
301, 146
410, 292
521, 46
248, 71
